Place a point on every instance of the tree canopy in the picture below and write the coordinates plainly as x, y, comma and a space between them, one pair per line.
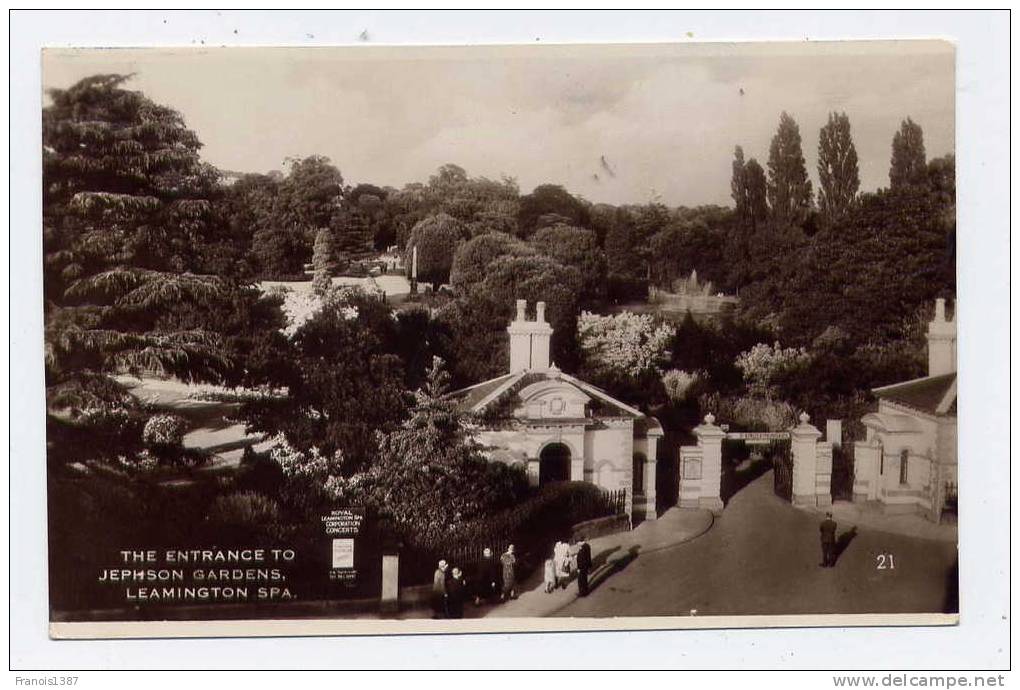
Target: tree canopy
127, 212
837, 167
436, 238
907, 167
789, 189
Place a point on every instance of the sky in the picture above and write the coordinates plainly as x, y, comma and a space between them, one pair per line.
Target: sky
612, 123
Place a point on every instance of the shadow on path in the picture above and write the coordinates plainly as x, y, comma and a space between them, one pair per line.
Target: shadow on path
738, 477
843, 542
602, 573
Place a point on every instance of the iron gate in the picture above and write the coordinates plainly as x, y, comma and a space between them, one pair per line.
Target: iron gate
782, 470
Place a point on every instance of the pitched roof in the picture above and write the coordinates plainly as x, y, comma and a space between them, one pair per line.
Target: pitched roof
489, 393
934, 395
469, 397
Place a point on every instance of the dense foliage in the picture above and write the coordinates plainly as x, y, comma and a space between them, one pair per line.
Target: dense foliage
129, 217
150, 260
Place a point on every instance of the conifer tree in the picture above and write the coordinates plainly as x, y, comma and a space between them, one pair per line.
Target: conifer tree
322, 262
738, 186
908, 167
756, 190
126, 211
789, 189
837, 167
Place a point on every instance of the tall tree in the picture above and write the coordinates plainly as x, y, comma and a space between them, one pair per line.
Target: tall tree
343, 382
576, 247
738, 186
908, 166
306, 200
621, 246
431, 476
757, 193
322, 262
126, 211
837, 167
549, 199
436, 238
789, 189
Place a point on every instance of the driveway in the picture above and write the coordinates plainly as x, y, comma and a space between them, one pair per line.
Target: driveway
761, 557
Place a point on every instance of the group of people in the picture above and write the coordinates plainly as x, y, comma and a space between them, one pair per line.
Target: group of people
566, 560
492, 579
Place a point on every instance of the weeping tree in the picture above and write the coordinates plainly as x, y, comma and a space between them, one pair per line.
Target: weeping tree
127, 211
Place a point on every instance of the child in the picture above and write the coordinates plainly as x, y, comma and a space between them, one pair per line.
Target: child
550, 575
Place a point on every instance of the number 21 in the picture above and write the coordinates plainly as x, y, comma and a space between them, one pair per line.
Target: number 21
884, 561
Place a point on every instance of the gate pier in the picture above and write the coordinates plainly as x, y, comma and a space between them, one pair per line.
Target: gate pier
810, 486
701, 468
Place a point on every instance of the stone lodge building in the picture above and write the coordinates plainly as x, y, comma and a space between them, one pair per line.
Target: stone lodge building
559, 427
908, 461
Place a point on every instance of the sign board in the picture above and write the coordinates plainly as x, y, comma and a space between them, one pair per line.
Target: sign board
343, 553
758, 437
343, 526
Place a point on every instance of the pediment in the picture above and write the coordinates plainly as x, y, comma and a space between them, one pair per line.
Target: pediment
552, 400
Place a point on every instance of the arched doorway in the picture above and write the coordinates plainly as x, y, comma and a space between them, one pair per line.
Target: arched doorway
554, 463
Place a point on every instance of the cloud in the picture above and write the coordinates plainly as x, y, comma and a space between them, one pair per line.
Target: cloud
667, 117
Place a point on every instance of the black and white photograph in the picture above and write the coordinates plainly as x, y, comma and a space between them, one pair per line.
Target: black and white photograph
383, 339
501, 333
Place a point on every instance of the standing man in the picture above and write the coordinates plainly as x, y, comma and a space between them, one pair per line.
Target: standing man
439, 590
456, 592
487, 578
828, 534
583, 566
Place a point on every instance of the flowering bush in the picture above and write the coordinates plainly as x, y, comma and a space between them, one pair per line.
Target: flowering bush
749, 412
164, 431
763, 364
311, 478
244, 508
299, 306
680, 384
773, 415
625, 343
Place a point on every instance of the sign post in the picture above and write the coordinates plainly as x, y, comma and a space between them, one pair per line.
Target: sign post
342, 526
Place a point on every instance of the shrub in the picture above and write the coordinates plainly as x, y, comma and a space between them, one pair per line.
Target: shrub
680, 385
749, 412
627, 343
244, 508
763, 365
472, 258
164, 431
310, 479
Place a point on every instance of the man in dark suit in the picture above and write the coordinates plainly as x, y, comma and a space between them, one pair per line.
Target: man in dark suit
828, 534
583, 567
486, 580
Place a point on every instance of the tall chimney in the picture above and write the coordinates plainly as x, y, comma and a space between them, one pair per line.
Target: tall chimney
941, 342
541, 335
520, 340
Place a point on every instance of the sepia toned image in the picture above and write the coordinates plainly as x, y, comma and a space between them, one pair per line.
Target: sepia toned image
500, 338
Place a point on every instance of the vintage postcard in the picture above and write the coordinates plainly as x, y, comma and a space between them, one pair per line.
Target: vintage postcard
499, 338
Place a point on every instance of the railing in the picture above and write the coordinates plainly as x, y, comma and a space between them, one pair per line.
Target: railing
524, 531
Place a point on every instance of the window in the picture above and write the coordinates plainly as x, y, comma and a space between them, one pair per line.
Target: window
904, 454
